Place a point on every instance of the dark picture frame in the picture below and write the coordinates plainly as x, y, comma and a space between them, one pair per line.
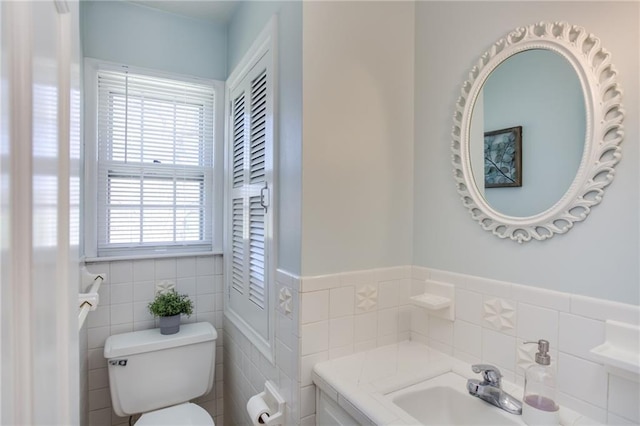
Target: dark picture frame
503, 158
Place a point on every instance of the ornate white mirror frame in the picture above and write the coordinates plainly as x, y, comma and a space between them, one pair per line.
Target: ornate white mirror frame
604, 130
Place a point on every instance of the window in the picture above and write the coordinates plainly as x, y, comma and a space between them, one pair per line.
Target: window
249, 181
154, 178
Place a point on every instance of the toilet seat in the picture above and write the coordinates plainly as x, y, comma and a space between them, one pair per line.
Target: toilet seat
184, 414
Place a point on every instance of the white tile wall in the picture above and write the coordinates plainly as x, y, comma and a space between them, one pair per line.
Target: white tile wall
493, 320
246, 369
130, 286
351, 312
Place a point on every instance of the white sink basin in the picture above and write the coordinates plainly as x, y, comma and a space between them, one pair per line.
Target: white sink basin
444, 400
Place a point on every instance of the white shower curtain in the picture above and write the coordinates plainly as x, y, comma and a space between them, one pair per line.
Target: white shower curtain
39, 202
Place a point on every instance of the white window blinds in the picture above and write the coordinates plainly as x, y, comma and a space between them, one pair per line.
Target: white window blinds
155, 164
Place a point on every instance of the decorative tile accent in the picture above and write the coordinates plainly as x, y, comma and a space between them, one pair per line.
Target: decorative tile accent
500, 314
165, 286
366, 297
286, 300
525, 356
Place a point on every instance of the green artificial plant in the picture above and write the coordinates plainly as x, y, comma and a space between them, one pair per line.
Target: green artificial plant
171, 303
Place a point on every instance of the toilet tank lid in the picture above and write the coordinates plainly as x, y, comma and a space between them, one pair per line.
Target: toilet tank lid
150, 340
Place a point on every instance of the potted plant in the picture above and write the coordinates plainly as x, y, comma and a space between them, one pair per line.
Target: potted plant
169, 306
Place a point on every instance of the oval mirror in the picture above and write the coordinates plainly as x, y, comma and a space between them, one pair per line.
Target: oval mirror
537, 131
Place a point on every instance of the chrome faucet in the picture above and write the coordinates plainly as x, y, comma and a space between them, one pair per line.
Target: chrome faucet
489, 389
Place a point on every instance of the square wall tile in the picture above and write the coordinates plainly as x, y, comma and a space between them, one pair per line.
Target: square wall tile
535, 323
205, 303
308, 401
98, 379
285, 358
315, 337
578, 335
584, 408
186, 286
498, 349
582, 379
624, 397
100, 417
99, 398
97, 336
315, 306
121, 313
469, 306
120, 271
366, 327
185, 267
404, 291
441, 330
218, 264
144, 291
121, 293
341, 351
419, 320
341, 301
467, 337
141, 312
306, 366
387, 322
205, 265
101, 317
144, 270
388, 294
404, 318
165, 268
341, 331
612, 419
204, 284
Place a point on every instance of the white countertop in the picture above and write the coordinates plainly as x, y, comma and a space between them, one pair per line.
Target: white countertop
359, 382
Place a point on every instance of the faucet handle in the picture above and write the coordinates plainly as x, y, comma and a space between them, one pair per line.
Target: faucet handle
490, 373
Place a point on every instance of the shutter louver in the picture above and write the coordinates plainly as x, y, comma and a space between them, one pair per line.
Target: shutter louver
258, 127
256, 251
237, 241
238, 141
155, 164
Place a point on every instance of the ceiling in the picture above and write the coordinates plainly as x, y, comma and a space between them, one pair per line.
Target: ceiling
218, 11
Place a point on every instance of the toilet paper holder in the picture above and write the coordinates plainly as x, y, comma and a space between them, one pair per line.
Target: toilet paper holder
274, 403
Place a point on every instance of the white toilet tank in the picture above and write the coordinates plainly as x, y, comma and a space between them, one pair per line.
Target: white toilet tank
148, 370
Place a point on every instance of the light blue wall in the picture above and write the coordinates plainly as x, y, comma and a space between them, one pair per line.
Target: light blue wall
248, 21
598, 257
136, 35
540, 91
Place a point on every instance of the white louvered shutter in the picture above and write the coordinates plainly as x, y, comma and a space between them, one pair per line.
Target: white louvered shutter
155, 164
250, 166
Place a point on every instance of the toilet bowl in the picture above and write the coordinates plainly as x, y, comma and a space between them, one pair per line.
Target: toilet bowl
157, 375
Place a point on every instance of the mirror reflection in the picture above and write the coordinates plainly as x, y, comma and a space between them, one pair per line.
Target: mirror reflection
539, 91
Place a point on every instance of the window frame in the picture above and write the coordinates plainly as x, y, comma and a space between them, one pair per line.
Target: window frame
90, 205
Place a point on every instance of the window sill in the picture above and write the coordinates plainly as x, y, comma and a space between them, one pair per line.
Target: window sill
150, 256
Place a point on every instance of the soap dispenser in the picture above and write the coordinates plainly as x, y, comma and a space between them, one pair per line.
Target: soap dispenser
539, 405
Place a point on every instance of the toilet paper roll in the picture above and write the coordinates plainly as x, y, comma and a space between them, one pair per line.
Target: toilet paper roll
258, 410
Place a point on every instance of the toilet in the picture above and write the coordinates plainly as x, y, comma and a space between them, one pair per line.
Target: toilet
157, 375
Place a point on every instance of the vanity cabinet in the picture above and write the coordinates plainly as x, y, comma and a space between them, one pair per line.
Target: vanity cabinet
328, 412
